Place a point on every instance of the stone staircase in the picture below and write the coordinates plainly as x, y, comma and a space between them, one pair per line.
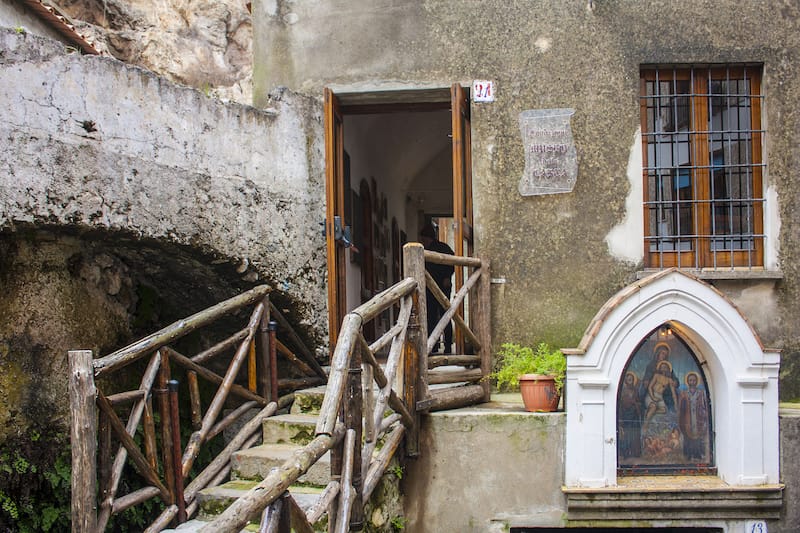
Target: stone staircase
282, 435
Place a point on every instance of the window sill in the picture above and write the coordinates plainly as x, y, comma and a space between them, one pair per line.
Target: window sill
734, 274
640, 498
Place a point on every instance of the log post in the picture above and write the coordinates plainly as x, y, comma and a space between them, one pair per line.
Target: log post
415, 386
194, 399
149, 430
264, 380
176, 450
411, 372
273, 360
103, 457
83, 434
252, 374
354, 421
166, 429
483, 326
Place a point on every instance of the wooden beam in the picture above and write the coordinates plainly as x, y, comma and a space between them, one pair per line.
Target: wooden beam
340, 367
382, 301
452, 398
483, 327
448, 314
445, 303
235, 517
440, 378
303, 350
174, 331
457, 360
83, 429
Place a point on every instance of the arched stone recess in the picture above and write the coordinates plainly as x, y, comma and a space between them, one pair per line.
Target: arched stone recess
742, 379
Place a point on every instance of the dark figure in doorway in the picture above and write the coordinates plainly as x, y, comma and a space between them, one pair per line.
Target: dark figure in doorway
442, 275
630, 418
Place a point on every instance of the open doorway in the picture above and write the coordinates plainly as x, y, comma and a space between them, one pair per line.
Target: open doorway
395, 160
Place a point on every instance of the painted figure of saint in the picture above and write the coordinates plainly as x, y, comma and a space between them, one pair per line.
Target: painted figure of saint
693, 418
661, 352
660, 391
630, 418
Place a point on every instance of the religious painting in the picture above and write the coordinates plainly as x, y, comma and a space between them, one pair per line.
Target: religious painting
664, 410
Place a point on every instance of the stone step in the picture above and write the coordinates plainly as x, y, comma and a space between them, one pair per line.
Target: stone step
255, 463
289, 429
308, 401
213, 501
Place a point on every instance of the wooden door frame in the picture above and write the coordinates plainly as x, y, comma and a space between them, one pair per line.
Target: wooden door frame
334, 206
462, 190
336, 106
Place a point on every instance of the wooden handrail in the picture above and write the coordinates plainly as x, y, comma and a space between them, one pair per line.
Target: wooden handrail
452, 260
176, 330
448, 314
358, 469
445, 303
235, 517
385, 299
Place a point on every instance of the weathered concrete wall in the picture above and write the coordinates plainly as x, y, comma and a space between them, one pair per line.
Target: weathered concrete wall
93, 143
482, 469
790, 471
488, 469
562, 255
127, 202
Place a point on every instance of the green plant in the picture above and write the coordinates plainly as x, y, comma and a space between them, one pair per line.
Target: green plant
34, 485
397, 470
398, 523
516, 360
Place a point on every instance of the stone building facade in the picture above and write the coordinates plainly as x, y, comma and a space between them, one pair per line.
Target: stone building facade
556, 258
681, 118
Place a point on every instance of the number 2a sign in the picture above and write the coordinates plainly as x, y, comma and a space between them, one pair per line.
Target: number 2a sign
483, 91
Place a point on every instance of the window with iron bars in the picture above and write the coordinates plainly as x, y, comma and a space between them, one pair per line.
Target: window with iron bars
702, 146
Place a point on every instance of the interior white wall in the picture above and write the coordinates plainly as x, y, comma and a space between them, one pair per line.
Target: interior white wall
409, 156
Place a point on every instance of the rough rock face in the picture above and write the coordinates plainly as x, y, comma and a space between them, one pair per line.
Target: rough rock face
205, 44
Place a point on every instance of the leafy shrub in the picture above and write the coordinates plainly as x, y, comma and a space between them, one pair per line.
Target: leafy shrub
516, 360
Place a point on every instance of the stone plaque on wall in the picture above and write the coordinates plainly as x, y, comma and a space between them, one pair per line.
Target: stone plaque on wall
551, 161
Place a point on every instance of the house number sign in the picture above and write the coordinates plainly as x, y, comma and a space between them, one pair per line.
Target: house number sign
483, 91
551, 161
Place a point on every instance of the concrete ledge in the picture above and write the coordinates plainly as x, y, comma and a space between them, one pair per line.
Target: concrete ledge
754, 273
673, 498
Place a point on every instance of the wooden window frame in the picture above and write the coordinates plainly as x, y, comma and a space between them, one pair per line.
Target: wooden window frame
703, 252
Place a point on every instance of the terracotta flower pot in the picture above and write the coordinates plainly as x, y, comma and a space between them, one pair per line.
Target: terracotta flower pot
539, 392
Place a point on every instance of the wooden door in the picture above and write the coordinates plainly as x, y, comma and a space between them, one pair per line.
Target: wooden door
334, 207
462, 186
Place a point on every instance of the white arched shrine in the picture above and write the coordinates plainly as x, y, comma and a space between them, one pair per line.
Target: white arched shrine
742, 379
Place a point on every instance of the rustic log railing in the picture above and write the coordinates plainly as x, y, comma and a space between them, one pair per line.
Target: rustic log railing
456, 388
356, 415
104, 426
